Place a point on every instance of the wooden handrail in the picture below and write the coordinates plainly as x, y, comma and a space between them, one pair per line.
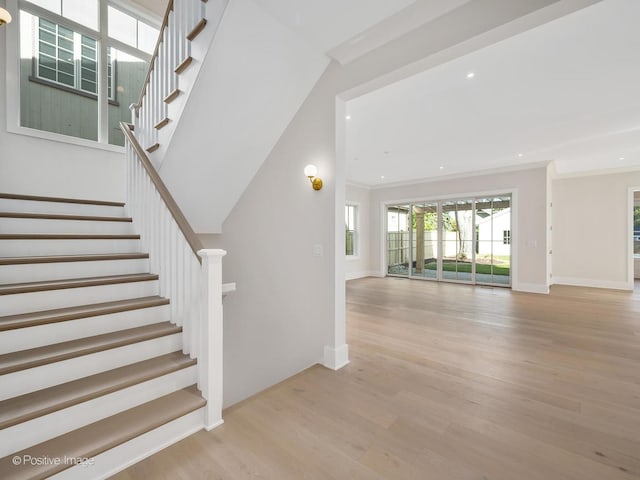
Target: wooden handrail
165, 22
181, 220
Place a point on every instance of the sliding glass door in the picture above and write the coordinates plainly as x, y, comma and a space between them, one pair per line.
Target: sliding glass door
457, 260
465, 240
425, 240
398, 240
493, 240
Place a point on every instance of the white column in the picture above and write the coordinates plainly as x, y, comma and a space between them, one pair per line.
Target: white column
211, 331
336, 355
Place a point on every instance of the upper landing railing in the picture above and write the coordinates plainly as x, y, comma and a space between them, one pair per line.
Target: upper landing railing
183, 21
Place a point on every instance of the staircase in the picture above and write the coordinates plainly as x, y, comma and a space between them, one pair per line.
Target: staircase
111, 313
91, 366
186, 34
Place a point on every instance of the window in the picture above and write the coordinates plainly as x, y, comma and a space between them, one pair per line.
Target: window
60, 71
350, 218
58, 48
131, 31
81, 11
506, 237
56, 53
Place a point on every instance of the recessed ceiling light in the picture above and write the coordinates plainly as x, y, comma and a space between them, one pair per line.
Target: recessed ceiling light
471, 75
381, 177
521, 155
348, 117
441, 167
621, 158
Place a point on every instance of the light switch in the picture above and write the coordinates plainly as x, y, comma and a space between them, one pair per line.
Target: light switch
317, 250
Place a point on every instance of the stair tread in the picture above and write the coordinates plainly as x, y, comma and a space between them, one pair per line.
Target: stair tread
42, 402
66, 236
38, 198
11, 322
92, 257
98, 437
197, 29
182, 66
153, 148
33, 357
57, 216
172, 96
13, 288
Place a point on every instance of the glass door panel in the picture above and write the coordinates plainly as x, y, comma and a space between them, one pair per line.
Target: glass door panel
425, 240
457, 231
493, 237
398, 223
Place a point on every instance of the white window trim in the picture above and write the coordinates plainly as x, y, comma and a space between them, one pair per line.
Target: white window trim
357, 231
12, 52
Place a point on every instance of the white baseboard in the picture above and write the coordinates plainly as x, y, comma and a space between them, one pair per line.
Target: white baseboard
355, 275
336, 358
208, 428
592, 282
531, 288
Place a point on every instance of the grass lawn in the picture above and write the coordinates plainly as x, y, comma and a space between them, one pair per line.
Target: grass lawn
466, 268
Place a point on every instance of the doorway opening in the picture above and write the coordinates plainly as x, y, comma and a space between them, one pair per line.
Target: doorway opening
636, 240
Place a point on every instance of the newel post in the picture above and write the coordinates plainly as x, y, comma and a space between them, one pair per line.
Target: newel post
133, 108
210, 333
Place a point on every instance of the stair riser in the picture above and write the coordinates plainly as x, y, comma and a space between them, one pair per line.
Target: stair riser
44, 247
67, 270
112, 461
21, 436
44, 376
70, 297
39, 225
41, 335
28, 206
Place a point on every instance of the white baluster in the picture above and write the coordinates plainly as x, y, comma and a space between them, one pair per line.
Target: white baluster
173, 279
195, 306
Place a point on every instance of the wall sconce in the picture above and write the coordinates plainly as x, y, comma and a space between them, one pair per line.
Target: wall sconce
5, 17
311, 171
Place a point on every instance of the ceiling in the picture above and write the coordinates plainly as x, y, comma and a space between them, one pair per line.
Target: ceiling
328, 23
156, 7
566, 91
345, 30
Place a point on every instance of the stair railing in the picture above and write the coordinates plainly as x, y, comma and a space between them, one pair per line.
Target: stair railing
183, 20
190, 275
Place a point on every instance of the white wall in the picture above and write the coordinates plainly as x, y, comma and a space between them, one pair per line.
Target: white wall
590, 230
35, 166
358, 265
528, 233
288, 310
254, 78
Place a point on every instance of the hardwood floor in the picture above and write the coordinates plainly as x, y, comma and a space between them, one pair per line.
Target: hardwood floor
446, 382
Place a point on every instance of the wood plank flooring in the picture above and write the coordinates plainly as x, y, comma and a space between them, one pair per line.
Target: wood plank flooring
446, 382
